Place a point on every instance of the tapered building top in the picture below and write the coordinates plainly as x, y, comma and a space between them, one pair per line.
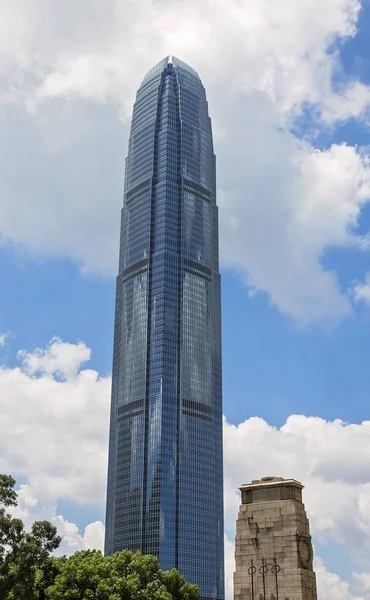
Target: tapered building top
169, 60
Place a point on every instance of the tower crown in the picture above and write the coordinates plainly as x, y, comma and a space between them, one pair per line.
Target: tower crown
164, 63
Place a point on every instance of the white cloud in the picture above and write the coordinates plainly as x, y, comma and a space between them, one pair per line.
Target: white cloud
331, 458
300, 202
92, 537
363, 580
30, 509
54, 437
229, 567
60, 358
52, 431
361, 291
279, 50
283, 204
331, 587
3, 338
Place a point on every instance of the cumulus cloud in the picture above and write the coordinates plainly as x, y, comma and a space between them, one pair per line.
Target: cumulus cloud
91, 539
331, 459
30, 508
331, 587
54, 429
361, 291
68, 81
54, 438
316, 452
301, 201
363, 580
60, 358
96, 52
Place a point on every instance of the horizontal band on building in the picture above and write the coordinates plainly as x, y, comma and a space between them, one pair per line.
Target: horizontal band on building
197, 268
189, 186
191, 408
130, 407
190, 266
144, 186
136, 269
192, 413
197, 406
197, 189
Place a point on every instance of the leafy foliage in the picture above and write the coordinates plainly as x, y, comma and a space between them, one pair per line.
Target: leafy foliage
88, 575
28, 571
24, 556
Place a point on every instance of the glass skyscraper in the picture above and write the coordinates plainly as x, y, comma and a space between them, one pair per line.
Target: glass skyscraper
165, 474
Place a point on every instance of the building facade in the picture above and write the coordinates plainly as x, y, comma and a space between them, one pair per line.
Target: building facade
273, 549
165, 479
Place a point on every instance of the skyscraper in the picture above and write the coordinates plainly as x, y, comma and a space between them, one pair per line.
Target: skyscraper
165, 475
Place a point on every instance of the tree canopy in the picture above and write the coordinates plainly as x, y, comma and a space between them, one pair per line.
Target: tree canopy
29, 571
88, 575
24, 555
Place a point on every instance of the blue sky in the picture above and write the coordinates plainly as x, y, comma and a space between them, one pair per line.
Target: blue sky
294, 189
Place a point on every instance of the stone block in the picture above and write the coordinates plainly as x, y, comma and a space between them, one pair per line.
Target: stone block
267, 529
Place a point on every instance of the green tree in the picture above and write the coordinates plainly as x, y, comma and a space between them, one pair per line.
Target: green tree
28, 571
88, 575
26, 566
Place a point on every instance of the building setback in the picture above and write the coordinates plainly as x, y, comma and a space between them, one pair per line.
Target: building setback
165, 479
273, 550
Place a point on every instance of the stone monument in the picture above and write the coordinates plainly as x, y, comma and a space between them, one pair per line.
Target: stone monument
273, 549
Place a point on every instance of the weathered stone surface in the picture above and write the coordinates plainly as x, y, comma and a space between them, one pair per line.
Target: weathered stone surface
273, 537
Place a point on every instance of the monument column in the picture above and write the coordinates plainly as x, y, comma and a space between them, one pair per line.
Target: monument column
273, 549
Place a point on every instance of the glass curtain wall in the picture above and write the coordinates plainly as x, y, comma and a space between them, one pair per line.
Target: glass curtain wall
165, 479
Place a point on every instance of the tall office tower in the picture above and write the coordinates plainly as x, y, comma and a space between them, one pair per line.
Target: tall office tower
273, 550
165, 479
